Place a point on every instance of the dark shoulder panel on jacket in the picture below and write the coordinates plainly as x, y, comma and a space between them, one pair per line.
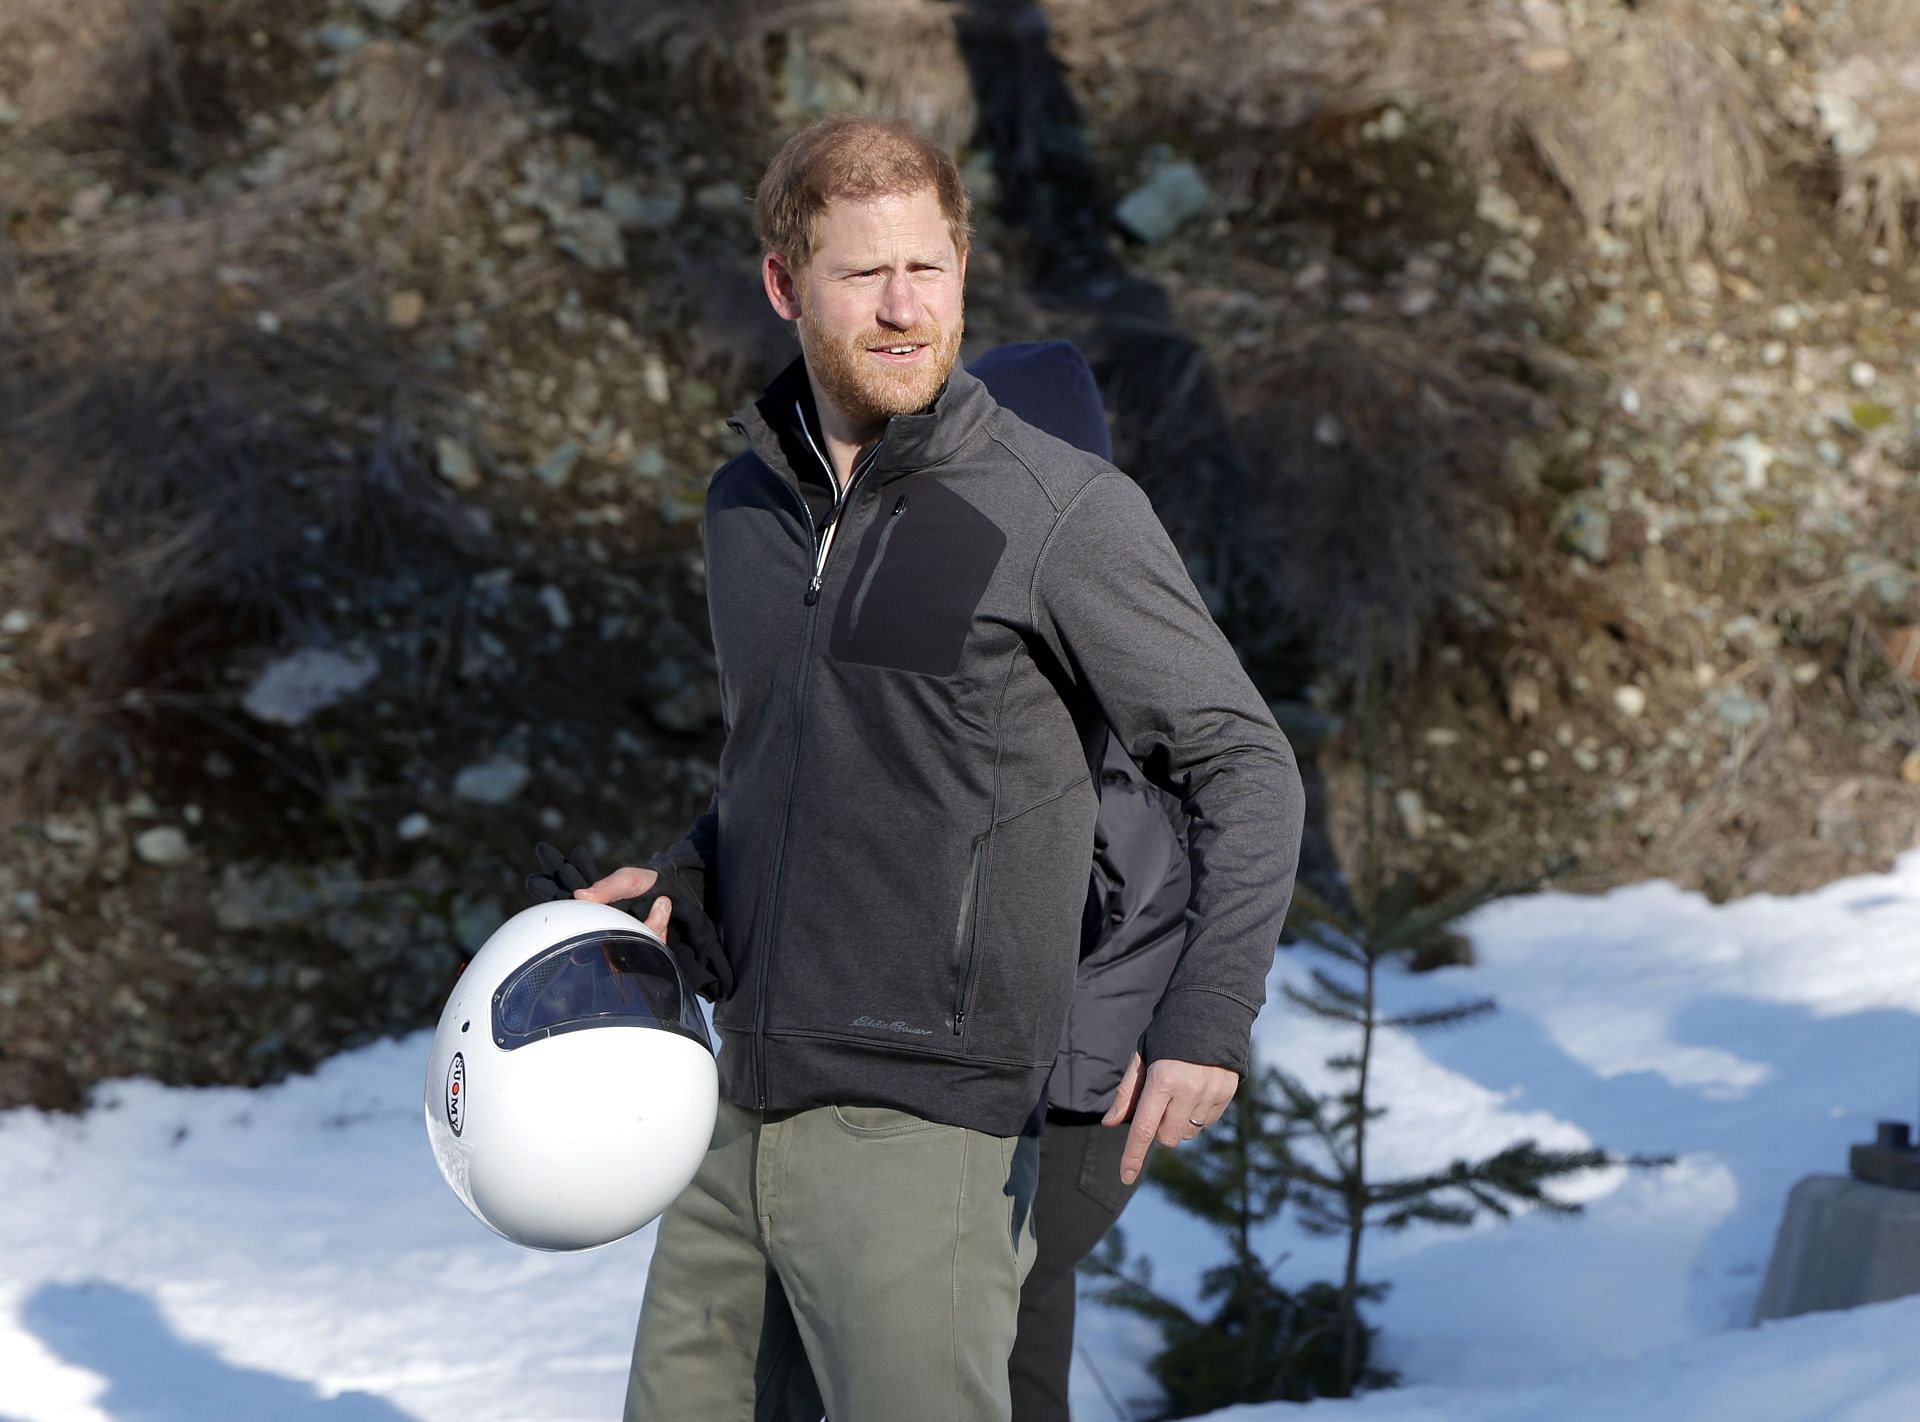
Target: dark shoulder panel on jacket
738, 482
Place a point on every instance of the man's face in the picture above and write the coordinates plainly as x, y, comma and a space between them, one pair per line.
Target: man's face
884, 276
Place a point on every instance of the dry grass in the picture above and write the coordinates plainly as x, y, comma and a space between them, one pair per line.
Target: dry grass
1869, 98
1380, 463
87, 61
1641, 112
1244, 62
429, 120
797, 58
173, 396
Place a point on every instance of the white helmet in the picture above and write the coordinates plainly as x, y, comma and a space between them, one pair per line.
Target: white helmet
572, 1090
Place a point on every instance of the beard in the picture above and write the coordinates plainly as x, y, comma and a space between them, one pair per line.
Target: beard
868, 391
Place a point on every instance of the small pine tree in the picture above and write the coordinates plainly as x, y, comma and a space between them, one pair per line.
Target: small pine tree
1258, 1342
1281, 1143
1329, 1182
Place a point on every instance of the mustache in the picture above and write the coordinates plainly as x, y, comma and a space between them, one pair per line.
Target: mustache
918, 336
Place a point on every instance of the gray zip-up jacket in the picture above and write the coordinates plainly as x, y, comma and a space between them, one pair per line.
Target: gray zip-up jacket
898, 851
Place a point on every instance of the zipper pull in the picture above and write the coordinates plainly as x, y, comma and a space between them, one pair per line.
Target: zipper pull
899, 508
813, 590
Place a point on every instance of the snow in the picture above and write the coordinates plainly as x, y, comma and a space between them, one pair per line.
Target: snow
291, 1252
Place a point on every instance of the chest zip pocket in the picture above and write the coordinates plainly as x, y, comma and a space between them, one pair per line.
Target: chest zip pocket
966, 936
879, 557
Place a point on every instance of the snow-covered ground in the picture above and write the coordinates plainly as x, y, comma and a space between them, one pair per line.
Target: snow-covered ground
291, 1253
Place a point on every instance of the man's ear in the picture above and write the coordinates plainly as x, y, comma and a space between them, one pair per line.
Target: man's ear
782, 285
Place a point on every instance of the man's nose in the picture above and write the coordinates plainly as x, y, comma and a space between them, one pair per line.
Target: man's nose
899, 302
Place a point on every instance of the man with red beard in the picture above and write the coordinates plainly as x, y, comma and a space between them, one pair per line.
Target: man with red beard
924, 611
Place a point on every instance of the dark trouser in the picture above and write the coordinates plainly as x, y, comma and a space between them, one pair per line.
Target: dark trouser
1079, 1198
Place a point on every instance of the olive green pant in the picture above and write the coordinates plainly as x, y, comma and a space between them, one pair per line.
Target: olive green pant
861, 1246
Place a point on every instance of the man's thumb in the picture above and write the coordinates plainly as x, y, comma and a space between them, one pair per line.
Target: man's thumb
660, 915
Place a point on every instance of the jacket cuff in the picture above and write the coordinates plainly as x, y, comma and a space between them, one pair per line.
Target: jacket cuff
1199, 1025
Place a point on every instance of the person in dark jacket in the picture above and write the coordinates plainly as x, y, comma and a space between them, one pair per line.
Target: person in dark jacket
1131, 934
922, 609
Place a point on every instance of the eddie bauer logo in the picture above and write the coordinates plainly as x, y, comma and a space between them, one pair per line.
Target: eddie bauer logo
456, 1089
865, 1021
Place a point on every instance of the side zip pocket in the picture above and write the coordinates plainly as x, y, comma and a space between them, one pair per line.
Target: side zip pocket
966, 935
879, 557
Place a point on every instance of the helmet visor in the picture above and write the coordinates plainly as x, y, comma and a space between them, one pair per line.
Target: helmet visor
607, 978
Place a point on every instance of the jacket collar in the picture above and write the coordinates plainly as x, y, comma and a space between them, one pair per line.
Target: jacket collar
773, 425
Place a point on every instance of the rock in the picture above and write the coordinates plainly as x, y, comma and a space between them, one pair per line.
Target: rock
339, 38
248, 899
1862, 374
91, 201
455, 463
1441, 737
1902, 648
1392, 124
292, 689
811, 87
1584, 526
164, 846
592, 238
1174, 194
649, 462
386, 11
1413, 814
140, 806
216, 766
1851, 131
1773, 354
17, 620
1498, 209
9, 115
405, 308
1328, 432
1737, 709
1910, 767
1755, 457
554, 601
557, 467
1629, 701
492, 782
1750, 634
473, 923
692, 710
1887, 580
653, 378
656, 207
415, 826
1523, 698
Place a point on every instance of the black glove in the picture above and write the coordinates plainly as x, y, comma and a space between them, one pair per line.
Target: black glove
691, 937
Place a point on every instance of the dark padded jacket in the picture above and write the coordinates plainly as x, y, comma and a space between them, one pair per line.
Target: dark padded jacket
898, 850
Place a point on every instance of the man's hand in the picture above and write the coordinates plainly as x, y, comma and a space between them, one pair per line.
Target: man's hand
1174, 1103
703, 964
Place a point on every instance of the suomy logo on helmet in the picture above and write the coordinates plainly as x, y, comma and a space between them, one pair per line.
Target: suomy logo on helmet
456, 1090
